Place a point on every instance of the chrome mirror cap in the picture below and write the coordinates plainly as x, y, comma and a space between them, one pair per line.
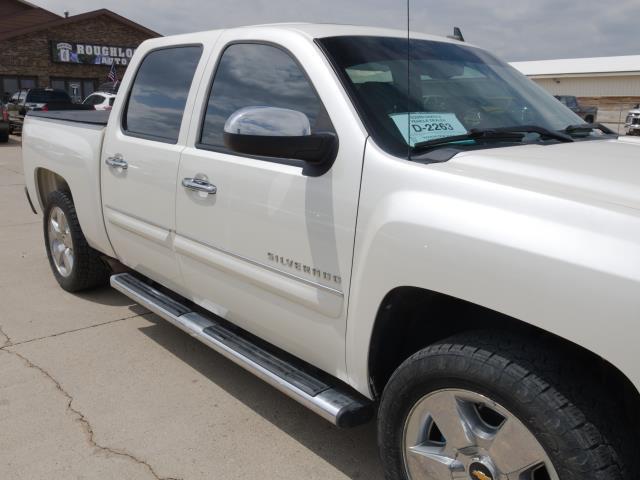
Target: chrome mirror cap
268, 122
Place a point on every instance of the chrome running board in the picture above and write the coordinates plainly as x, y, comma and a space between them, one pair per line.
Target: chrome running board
327, 397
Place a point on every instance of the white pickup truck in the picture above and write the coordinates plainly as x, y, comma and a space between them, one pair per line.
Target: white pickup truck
371, 224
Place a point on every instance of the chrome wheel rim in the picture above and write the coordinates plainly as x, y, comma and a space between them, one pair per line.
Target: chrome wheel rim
60, 242
458, 434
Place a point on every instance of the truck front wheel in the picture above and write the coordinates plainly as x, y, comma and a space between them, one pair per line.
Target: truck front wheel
488, 406
75, 265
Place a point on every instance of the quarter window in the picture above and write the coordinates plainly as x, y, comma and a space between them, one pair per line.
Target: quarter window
159, 93
252, 75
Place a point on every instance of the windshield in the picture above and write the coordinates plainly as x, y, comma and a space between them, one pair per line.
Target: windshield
413, 92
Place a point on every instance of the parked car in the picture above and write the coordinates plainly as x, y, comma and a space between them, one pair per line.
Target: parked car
470, 271
38, 99
100, 100
588, 113
632, 122
4, 123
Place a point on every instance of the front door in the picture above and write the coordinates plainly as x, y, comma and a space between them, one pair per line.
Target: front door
271, 250
140, 161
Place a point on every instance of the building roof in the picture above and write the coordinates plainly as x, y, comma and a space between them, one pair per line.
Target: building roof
34, 19
26, 19
9, 7
629, 64
18, 14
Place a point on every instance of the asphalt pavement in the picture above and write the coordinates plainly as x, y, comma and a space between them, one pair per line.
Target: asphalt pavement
93, 386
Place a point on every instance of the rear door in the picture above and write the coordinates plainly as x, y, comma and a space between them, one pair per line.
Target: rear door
140, 158
271, 250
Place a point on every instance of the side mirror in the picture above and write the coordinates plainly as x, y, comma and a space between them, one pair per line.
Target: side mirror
277, 132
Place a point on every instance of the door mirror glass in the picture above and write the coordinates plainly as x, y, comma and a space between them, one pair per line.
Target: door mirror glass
277, 132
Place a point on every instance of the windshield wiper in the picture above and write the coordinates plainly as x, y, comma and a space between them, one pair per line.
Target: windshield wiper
507, 134
588, 128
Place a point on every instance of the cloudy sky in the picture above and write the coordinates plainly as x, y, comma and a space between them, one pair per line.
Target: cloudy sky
513, 29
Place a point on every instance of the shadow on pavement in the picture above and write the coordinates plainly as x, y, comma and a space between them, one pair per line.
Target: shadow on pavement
109, 296
352, 451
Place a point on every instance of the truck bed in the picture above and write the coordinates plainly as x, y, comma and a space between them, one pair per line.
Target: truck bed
92, 117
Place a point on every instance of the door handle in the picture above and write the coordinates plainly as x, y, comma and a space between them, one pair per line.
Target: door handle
116, 161
199, 185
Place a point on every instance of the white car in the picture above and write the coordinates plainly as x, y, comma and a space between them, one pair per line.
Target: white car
100, 100
461, 256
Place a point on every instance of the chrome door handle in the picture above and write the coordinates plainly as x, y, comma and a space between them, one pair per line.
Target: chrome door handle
199, 185
116, 161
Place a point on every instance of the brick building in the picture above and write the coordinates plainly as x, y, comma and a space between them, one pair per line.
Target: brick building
39, 48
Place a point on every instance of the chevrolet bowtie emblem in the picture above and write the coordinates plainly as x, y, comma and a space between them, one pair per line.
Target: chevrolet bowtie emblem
480, 475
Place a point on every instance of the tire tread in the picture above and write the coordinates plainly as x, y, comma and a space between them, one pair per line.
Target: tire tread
533, 370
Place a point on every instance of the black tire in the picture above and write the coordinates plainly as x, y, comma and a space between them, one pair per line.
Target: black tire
88, 270
567, 413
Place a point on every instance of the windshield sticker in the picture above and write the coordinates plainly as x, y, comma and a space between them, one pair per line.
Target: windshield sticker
418, 127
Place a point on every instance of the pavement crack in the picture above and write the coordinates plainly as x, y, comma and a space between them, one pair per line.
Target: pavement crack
7, 340
84, 422
53, 335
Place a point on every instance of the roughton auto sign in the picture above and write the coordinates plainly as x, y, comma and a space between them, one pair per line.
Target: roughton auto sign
65, 52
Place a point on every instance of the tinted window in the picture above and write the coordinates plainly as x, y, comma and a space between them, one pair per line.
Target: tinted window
159, 93
111, 100
94, 100
251, 75
44, 96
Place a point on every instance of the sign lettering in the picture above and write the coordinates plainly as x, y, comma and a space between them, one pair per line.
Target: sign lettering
87, 54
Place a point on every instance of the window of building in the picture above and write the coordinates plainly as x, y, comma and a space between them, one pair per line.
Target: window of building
251, 75
9, 84
78, 89
159, 93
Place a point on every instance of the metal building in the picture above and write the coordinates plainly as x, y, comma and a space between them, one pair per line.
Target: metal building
587, 77
610, 83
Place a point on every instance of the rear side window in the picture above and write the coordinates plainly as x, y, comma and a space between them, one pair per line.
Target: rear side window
252, 75
94, 100
159, 93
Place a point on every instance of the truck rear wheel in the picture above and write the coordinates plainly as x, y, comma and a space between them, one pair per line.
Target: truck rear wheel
490, 407
75, 265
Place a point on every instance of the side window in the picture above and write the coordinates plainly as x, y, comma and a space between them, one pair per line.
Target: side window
159, 93
252, 75
94, 100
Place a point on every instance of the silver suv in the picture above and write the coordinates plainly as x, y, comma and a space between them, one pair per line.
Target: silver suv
632, 122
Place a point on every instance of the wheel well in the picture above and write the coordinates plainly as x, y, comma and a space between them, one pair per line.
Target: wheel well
47, 182
402, 329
